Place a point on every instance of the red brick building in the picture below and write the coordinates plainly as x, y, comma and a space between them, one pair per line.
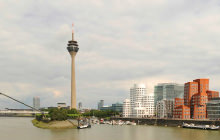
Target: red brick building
196, 95
212, 94
181, 111
178, 102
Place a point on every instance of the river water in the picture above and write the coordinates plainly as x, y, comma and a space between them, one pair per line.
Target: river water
22, 129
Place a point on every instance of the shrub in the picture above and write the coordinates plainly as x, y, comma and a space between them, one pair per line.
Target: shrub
39, 117
42, 117
73, 116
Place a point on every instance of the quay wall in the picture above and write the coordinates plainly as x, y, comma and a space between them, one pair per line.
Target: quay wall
167, 122
16, 115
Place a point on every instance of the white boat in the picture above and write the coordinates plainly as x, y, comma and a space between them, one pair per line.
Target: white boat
84, 126
204, 127
131, 123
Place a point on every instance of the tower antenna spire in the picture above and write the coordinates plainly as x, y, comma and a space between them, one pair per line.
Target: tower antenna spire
72, 33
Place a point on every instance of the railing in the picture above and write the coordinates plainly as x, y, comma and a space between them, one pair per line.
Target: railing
19, 112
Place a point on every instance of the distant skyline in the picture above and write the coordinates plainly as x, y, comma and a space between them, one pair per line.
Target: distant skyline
121, 42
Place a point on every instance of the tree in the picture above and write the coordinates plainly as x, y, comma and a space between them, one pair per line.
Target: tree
58, 114
101, 114
73, 111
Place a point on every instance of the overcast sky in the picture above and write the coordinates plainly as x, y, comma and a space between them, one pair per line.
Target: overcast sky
121, 42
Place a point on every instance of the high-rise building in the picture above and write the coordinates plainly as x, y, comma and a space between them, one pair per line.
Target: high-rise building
80, 105
117, 107
196, 96
180, 111
126, 108
73, 49
148, 104
168, 91
164, 109
36, 102
103, 108
213, 108
114, 107
140, 104
100, 104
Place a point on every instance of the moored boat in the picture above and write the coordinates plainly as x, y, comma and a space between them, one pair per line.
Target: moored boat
84, 126
204, 127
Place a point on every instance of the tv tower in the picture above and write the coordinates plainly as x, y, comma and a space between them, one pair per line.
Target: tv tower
73, 49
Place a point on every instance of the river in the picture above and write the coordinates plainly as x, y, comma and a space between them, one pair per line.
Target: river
13, 128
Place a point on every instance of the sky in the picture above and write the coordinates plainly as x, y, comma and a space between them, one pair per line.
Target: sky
121, 42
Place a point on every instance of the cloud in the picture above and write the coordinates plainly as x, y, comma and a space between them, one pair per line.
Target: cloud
121, 43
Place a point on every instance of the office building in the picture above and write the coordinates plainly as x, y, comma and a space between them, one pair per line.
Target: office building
80, 105
126, 108
180, 111
213, 109
140, 103
104, 108
196, 96
36, 102
114, 107
164, 109
168, 91
117, 107
100, 104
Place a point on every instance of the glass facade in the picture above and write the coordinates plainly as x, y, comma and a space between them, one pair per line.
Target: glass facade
100, 104
213, 109
168, 91
117, 107
103, 108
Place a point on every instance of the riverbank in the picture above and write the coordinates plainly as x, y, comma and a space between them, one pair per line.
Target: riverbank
167, 122
54, 124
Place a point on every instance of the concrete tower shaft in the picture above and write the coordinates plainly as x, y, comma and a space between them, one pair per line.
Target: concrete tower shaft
73, 49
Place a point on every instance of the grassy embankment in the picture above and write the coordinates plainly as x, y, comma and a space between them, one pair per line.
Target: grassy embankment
53, 124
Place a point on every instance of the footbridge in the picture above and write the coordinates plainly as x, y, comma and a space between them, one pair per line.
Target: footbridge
22, 112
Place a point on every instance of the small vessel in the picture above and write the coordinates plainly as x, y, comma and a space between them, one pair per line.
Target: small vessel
102, 121
130, 123
204, 127
84, 126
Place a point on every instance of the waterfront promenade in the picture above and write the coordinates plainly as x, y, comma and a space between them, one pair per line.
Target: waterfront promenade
167, 122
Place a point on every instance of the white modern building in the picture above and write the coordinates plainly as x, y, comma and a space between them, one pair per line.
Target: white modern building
126, 108
148, 104
140, 104
164, 109
36, 102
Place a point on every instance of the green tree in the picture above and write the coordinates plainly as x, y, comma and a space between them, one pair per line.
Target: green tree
73, 111
101, 114
58, 114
